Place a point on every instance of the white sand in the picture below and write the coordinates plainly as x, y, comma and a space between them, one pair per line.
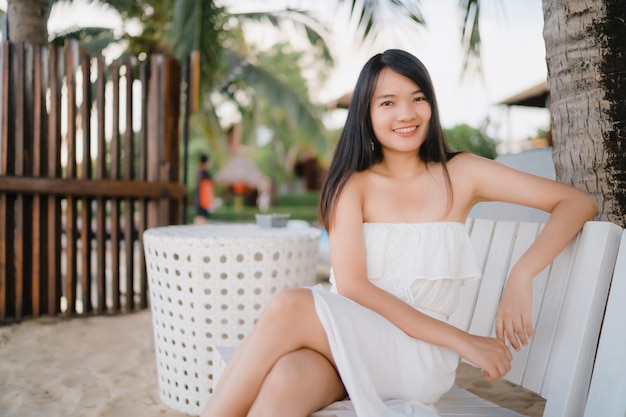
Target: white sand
105, 367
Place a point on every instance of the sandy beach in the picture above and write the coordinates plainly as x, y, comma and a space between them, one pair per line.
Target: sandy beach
105, 367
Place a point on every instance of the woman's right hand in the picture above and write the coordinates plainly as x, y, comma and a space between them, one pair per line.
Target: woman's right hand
489, 354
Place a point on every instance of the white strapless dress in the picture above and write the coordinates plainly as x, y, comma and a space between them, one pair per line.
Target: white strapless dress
386, 372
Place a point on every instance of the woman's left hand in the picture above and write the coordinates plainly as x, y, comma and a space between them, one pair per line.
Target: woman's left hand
514, 315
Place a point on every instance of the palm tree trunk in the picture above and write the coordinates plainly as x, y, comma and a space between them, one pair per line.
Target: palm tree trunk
586, 57
28, 20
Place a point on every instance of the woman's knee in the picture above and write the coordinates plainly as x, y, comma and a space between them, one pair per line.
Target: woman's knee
288, 305
291, 322
281, 389
302, 381
287, 372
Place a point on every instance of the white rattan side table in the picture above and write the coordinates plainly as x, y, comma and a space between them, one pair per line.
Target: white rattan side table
208, 285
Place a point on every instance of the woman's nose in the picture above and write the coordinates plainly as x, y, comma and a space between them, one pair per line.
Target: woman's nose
406, 112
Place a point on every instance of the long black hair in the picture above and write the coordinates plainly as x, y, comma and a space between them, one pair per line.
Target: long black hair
355, 151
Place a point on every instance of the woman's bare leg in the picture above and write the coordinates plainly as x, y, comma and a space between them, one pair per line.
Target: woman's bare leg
299, 383
288, 324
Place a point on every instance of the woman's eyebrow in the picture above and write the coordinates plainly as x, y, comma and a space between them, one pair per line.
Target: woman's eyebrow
383, 96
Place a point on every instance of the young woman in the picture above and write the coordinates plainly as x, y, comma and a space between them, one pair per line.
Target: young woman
394, 203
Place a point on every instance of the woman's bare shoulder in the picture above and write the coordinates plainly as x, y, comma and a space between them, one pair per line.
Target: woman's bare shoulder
467, 159
349, 203
358, 180
472, 167
353, 189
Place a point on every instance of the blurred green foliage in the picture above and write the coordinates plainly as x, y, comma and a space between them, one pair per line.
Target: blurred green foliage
466, 138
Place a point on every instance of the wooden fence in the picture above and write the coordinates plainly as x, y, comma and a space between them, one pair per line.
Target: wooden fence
89, 158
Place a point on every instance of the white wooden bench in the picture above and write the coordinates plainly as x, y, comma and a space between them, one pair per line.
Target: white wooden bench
569, 302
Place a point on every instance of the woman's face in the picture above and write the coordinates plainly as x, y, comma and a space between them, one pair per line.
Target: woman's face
400, 113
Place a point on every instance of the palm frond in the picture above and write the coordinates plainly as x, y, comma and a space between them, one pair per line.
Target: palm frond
119, 5
369, 16
122, 5
265, 83
94, 40
206, 124
198, 25
411, 8
470, 34
314, 31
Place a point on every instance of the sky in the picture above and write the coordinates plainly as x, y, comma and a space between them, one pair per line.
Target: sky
513, 56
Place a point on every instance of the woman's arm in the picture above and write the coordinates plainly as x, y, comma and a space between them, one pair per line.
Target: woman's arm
347, 251
569, 208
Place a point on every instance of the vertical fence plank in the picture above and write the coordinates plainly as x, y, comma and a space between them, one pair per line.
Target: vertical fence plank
155, 135
19, 64
36, 200
39, 228
7, 265
5, 107
141, 175
71, 276
101, 235
129, 152
171, 135
54, 171
85, 209
163, 157
23, 165
115, 203
15, 224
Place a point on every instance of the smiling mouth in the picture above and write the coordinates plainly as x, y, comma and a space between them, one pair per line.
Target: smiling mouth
405, 129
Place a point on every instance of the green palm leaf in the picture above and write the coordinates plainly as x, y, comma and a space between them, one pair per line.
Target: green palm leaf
313, 30
198, 25
265, 83
94, 40
470, 33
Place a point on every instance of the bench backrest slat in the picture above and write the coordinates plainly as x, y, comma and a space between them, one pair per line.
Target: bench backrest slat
607, 395
571, 360
568, 302
545, 324
481, 232
494, 276
526, 235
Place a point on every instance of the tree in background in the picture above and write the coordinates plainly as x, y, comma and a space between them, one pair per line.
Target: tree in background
286, 139
586, 57
30, 24
466, 138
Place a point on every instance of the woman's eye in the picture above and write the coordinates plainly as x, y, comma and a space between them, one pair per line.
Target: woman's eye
386, 103
420, 98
